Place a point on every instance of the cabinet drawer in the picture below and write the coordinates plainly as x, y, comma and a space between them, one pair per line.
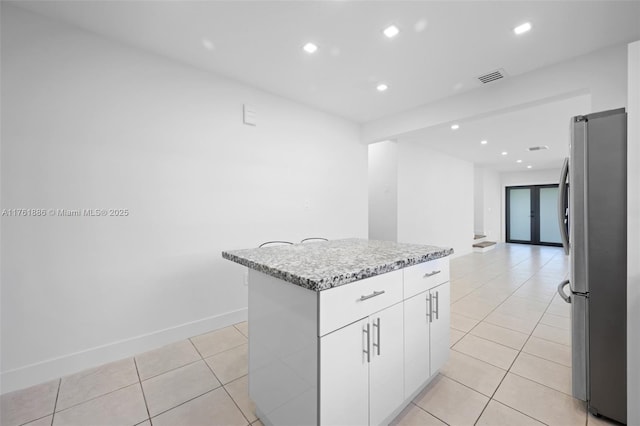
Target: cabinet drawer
345, 304
424, 276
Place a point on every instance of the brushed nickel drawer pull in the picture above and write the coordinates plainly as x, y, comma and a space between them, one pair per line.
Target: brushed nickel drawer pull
369, 296
430, 274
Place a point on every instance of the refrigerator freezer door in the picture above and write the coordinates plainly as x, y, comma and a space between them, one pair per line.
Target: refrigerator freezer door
579, 346
577, 205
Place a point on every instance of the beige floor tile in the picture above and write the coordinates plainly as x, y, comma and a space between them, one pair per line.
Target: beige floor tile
166, 358
560, 310
45, 421
472, 307
145, 423
239, 391
257, 423
545, 372
454, 336
553, 334
28, 404
218, 341
243, 327
476, 374
97, 381
556, 321
504, 336
230, 365
122, 407
540, 402
486, 350
214, 408
415, 416
497, 414
549, 350
451, 402
462, 323
177, 386
511, 322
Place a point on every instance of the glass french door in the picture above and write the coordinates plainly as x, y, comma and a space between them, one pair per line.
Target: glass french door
532, 215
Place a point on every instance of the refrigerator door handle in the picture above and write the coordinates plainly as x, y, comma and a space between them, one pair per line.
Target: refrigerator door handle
561, 292
562, 206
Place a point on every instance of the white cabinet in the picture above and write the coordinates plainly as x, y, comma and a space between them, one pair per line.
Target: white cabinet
386, 369
362, 370
351, 355
439, 332
426, 330
344, 376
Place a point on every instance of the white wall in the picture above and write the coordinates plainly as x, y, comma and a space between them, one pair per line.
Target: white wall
435, 198
529, 177
633, 241
603, 74
90, 123
383, 191
492, 204
478, 201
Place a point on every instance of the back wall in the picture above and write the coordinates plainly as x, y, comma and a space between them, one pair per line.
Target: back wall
89, 123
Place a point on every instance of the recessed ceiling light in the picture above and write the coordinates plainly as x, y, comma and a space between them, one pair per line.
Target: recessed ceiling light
310, 47
455, 126
484, 142
520, 29
391, 31
518, 161
208, 44
528, 167
504, 153
381, 87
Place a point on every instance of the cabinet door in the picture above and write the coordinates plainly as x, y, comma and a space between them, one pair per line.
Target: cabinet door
441, 308
416, 342
344, 375
386, 370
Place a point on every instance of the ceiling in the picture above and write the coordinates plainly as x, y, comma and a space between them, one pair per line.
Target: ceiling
441, 49
512, 132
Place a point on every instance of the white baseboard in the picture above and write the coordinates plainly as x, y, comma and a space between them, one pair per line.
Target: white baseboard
55, 368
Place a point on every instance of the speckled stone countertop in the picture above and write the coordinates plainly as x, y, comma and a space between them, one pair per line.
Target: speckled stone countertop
322, 265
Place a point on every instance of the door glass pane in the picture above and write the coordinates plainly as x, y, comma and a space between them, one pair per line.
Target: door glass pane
549, 230
520, 214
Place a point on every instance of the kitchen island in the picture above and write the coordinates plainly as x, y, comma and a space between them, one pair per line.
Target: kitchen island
344, 332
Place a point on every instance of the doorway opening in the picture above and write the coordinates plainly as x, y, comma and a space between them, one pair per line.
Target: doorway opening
532, 215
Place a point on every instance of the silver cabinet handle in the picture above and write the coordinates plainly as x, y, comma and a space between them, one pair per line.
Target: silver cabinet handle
367, 351
430, 274
377, 326
369, 296
430, 307
437, 310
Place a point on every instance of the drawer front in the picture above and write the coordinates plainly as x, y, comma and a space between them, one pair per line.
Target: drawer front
347, 303
424, 276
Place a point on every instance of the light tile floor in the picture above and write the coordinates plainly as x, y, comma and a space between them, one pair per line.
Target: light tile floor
510, 363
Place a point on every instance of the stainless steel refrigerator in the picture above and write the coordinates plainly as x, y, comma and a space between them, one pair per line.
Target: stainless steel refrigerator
593, 224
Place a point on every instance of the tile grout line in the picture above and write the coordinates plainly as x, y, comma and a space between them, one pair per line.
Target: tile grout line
144, 397
222, 385
516, 357
513, 362
55, 404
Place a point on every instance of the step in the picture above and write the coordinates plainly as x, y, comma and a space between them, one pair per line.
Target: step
479, 236
484, 246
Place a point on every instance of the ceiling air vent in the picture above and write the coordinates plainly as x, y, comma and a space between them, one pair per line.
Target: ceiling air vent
537, 148
492, 76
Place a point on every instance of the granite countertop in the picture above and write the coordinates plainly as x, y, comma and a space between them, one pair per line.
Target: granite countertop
322, 265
